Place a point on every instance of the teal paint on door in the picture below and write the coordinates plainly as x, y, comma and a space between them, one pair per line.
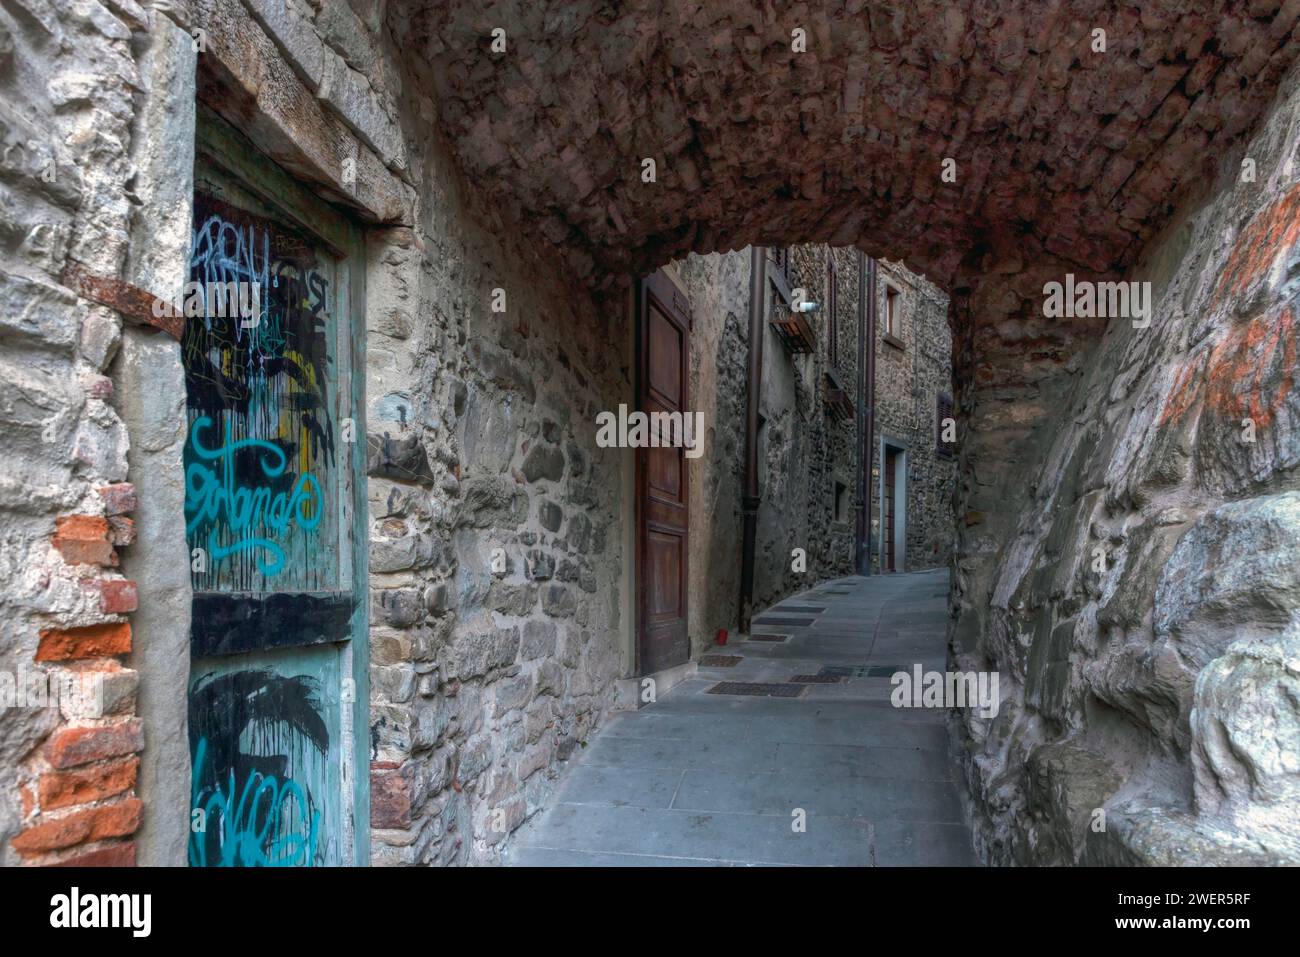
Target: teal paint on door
273, 480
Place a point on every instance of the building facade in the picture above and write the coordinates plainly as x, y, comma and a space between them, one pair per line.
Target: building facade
914, 470
810, 435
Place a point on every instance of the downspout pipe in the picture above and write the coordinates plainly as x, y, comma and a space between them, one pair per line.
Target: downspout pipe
859, 457
750, 498
866, 402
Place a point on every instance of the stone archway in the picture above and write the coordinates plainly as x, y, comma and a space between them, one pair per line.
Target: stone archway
1128, 526
1095, 140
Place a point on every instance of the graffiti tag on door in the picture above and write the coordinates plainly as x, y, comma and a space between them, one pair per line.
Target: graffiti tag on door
260, 455
251, 732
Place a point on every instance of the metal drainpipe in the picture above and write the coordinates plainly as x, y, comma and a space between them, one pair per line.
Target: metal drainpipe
866, 403
859, 456
750, 499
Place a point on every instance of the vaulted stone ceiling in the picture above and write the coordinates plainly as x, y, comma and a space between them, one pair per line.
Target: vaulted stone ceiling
1061, 152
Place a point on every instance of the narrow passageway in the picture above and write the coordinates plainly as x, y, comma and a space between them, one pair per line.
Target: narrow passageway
714, 778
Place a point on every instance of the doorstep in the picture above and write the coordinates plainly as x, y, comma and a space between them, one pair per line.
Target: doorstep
627, 691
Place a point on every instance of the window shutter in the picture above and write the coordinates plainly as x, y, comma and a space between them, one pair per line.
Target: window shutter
943, 410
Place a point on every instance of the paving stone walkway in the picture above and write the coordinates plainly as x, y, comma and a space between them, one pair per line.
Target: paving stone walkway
715, 779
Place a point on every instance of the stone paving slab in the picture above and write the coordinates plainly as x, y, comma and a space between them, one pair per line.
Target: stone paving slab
620, 786
706, 835
708, 779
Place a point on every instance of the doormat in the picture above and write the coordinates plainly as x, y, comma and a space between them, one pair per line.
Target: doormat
760, 689
720, 661
767, 637
784, 620
819, 679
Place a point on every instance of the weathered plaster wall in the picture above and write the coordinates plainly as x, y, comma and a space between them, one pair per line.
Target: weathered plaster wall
1143, 600
717, 286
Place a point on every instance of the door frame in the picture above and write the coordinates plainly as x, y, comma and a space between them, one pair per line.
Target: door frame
899, 504
672, 301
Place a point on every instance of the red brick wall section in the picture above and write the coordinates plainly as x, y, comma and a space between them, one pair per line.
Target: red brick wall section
78, 792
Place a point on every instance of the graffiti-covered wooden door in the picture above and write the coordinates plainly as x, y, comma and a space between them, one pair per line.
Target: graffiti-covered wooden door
272, 480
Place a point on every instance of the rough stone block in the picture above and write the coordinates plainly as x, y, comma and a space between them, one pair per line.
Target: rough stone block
119, 498
390, 794
559, 601
539, 565
550, 515
539, 640
543, 462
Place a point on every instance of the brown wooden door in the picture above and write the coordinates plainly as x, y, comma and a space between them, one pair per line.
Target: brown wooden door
663, 352
889, 519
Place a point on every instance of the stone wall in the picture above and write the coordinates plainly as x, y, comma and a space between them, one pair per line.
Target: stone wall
913, 369
496, 572
496, 545
1142, 601
70, 86
495, 521
487, 666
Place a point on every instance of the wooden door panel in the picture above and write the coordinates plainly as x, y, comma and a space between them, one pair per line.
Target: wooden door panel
664, 474
663, 350
665, 341
664, 554
271, 480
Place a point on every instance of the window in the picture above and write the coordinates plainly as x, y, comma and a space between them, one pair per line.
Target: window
945, 421
781, 261
832, 329
893, 313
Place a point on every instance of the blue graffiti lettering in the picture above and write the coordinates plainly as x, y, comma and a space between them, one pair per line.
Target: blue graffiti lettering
208, 495
241, 839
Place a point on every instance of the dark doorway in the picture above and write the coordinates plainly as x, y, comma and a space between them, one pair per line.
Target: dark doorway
889, 516
663, 364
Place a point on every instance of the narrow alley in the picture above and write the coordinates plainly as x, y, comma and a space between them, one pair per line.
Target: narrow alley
649, 433
710, 776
